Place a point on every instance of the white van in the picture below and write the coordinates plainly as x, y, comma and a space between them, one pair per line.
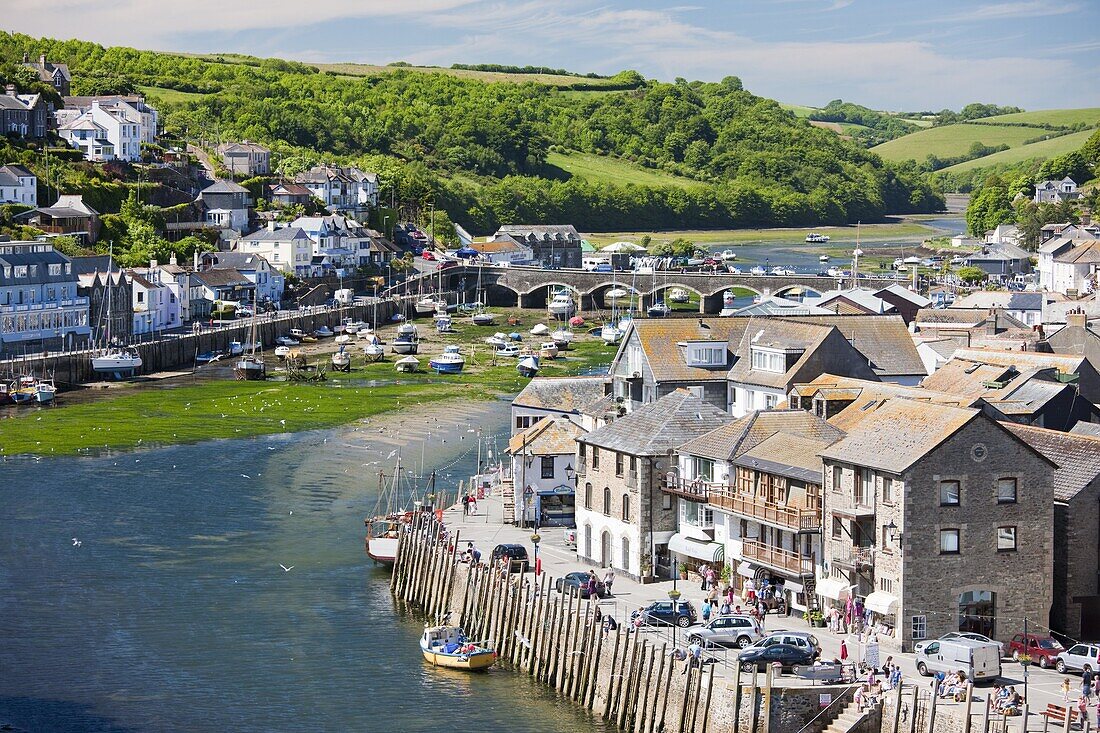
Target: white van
980, 660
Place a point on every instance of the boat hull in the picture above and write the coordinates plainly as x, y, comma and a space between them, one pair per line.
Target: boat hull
383, 550
482, 319
248, 370
446, 367
475, 661
404, 347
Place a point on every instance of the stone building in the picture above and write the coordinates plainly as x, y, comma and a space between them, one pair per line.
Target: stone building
553, 246
104, 283
1076, 608
624, 520
940, 519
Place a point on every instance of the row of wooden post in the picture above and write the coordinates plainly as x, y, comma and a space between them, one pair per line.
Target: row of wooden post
922, 717
557, 638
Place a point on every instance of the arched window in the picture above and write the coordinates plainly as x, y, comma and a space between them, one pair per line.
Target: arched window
626, 507
588, 495
626, 554
607, 501
588, 540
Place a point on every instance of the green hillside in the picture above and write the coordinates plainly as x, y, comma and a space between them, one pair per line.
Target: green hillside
1089, 116
1038, 151
948, 141
604, 169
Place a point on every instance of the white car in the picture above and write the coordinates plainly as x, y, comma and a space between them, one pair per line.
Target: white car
1078, 658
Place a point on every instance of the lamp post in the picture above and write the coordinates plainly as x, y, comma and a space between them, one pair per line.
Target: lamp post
1025, 658
674, 596
535, 541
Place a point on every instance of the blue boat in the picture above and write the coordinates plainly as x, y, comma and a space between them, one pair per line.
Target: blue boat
449, 362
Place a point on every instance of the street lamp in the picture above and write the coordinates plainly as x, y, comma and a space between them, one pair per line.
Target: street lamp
674, 596
535, 540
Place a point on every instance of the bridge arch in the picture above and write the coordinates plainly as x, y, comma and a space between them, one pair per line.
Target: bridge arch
597, 296
796, 290
539, 295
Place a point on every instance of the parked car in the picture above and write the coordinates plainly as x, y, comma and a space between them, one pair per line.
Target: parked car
427, 254
979, 660
1078, 658
785, 656
799, 639
579, 580
728, 631
448, 264
973, 636
516, 554
662, 613
1043, 650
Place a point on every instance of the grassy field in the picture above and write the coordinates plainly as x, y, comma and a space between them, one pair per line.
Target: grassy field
1089, 115
800, 110
952, 140
1042, 149
171, 96
196, 408
713, 237
599, 168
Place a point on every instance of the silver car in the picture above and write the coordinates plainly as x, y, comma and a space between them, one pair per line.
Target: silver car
1078, 658
728, 631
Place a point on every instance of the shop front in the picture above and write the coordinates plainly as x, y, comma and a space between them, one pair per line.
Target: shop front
557, 507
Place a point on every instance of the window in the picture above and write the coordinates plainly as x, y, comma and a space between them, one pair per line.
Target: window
1006, 491
949, 493
886, 585
1006, 539
706, 355
20, 270
865, 491
633, 465
588, 495
548, 466
978, 612
618, 464
55, 269
595, 457
626, 553
607, 501
696, 391
949, 542
34, 270
887, 490
141, 296
918, 626
704, 469
884, 541
770, 401
666, 501
838, 528
768, 361
838, 474
626, 507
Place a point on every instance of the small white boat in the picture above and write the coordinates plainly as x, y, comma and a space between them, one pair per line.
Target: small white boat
728, 299
44, 391
659, 309
425, 305
341, 360
407, 364
548, 350
342, 339
282, 351
733, 270
610, 334
528, 366
322, 332
484, 318
364, 333
615, 295
297, 333
443, 323
407, 329
563, 337
287, 341
250, 368
561, 305
678, 295
449, 362
236, 348
823, 258
497, 340
405, 344
758, 270
729, 254
815, 238
374, 351
782, 271
540, 329
508, 350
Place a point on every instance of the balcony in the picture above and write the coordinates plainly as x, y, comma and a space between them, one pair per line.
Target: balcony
778, 558
851, 506
691, 489
853, 556
794, 519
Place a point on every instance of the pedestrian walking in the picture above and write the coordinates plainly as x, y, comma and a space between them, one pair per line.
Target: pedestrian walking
843, 651
466, 505
703, 577
1096, 685
1065, 689
608, 581
1086, 683
705, 610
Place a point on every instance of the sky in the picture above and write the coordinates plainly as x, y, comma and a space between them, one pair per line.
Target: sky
888, 54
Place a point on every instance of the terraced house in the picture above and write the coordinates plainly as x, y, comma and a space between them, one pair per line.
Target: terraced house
39, 305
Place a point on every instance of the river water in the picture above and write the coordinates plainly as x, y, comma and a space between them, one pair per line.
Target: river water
173, 613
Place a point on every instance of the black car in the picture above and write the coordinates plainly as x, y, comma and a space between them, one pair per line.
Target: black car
579, 580
517, 557
785, 655
662, 613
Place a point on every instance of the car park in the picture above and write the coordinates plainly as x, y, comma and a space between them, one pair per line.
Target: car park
516, 554
579, 580
663, 613
785, 656
728, 631
1078, 658
1043, 650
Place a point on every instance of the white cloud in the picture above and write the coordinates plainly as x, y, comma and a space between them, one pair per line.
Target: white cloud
1007, 11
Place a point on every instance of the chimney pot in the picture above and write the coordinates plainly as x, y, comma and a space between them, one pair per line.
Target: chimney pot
271, 226
10, 90
42, 60
1077, 318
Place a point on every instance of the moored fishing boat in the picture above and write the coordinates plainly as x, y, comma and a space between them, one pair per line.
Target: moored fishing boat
660, 309
322, 332
447, 646
450, 361
251, 367
374, 351
282, 351
563, 337
407, 340
484, 318
425, 306
678, 295
497, 340
729, 254
561, 306
341, 360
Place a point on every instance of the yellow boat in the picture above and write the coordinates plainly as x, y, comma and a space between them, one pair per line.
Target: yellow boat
447, 646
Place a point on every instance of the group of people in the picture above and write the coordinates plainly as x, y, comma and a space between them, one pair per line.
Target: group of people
1006, 701
469, 504
719, 601
1090, 686
952, 686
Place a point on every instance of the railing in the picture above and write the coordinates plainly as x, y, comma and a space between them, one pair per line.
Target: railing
777, 557
748, 505
693, 489
858, 556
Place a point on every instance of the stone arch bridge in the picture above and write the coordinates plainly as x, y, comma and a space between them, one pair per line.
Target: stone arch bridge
531, 287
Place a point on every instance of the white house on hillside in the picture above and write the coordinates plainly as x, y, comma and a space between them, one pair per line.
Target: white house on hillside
18, 186
1056, 191
288, 249
1069, 265
118, 124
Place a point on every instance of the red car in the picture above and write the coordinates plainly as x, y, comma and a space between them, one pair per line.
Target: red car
1042, 649
426, 254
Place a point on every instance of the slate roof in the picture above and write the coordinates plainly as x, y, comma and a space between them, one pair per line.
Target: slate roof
290, 189
658, 338
234, 260
541, 232
903, 292
732, 439
784, 454
1065, 363
776, 333
548, 437
284, 234
1086, 428
659, 427
1010, 300
1077, 457
221, 278
776, 306
884, 340
563, 394
24, 254
899, 433
870, 395
10, 174
222, 186
1083, 252
499, 243
865, 299
965, 377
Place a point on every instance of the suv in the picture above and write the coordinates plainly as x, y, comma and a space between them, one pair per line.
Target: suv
662, 613
516, 554
728, 631
799, 639
1043, 650
1078, 657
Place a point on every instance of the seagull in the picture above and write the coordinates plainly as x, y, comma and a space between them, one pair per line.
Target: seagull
285, 568
245, 475
76, 542
271, 447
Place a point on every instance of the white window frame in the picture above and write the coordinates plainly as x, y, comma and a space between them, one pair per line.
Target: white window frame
918, 627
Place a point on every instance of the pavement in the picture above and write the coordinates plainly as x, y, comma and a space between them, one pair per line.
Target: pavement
486, 529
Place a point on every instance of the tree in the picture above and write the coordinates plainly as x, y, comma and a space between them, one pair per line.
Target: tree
971, 274
989, 208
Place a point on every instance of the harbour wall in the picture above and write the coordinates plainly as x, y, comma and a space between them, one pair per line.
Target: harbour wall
630, 679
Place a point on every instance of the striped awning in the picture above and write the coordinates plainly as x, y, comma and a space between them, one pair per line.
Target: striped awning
709, 551
833, 589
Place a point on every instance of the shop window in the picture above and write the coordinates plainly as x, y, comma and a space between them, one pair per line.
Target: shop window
978, 612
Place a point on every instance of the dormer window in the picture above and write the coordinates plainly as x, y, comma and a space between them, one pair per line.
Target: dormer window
707, 354
769, 361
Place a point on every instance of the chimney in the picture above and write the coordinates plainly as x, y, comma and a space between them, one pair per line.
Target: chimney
1086, 218
172, 259
271, 226
152, 264
10, 90
1077, 318
42, 60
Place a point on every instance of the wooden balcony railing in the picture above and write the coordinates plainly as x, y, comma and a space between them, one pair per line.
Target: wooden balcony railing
795, 519
777, 557
855, 556
692, 489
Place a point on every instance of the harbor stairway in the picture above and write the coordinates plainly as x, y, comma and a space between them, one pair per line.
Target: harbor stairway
508, 494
